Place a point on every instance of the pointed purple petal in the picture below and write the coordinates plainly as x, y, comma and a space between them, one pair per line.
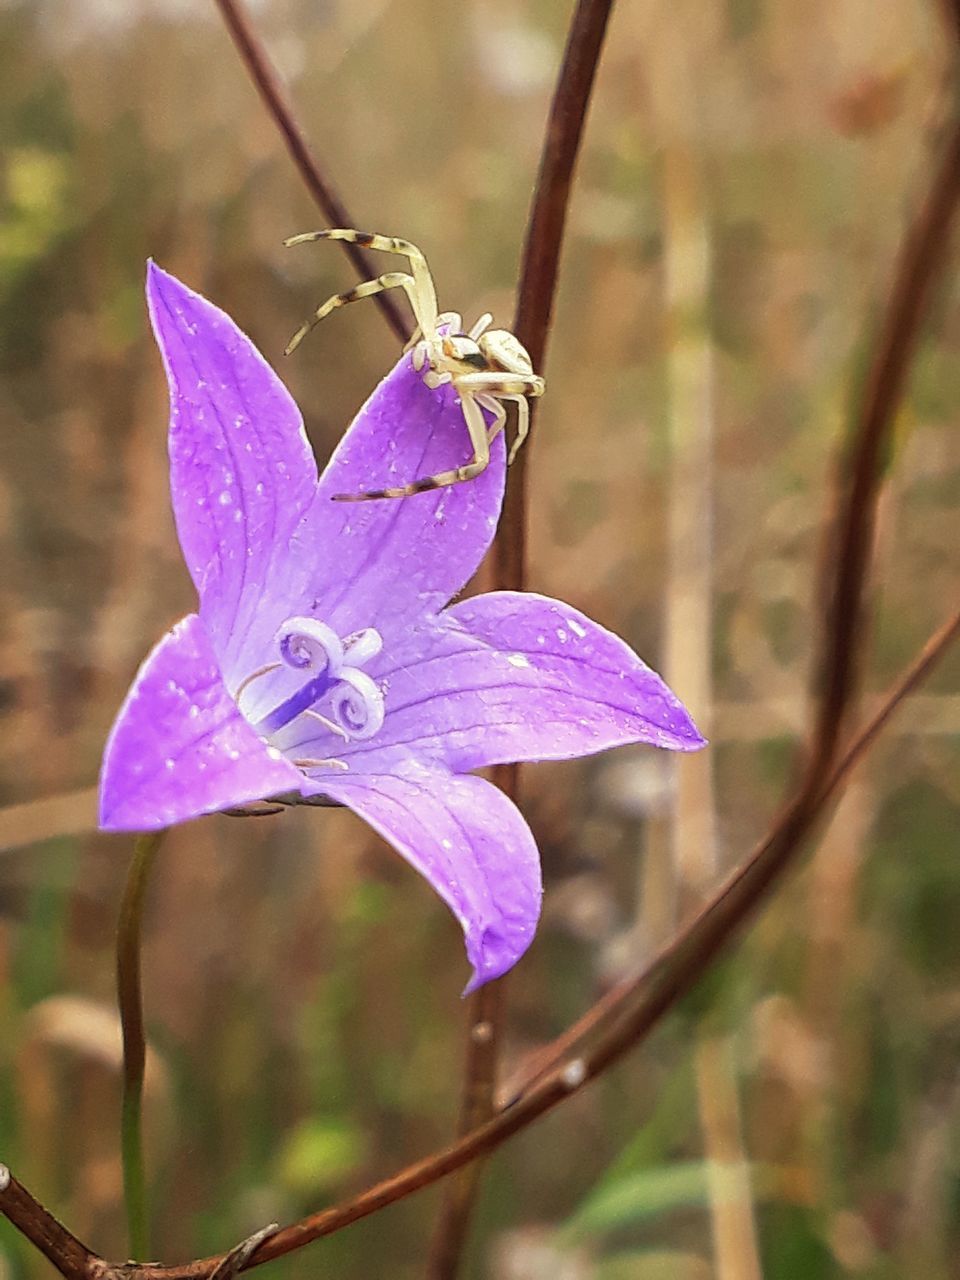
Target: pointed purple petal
574, 687
241, 470
473, 846
179, 746
515, 676
397, 559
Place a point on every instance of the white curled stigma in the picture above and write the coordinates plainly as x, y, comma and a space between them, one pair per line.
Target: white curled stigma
335, 691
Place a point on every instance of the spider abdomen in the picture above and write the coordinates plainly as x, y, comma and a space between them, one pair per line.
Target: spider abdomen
503, 350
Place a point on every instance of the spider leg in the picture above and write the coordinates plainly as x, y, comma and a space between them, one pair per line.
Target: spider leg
523, 426
433, 379
494, 406
477, 427
505, 386
485, 321
392, 280
422, 293
501, 383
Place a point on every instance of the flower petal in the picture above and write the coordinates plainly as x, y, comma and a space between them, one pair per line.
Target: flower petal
242, 473
397, 559
179, 746
473, 846
580, 688
514, 676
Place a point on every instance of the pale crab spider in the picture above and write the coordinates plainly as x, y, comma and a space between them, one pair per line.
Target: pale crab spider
486, 367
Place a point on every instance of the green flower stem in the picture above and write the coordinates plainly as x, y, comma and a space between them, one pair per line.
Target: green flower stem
130, 1002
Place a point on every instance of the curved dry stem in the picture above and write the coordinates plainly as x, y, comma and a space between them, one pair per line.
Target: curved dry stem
536, 293
844, 567
269, 86
60, 1247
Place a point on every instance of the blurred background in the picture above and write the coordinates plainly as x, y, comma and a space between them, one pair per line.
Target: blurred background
748, 170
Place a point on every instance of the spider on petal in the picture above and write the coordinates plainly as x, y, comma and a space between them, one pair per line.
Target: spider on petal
306, 674
486, 367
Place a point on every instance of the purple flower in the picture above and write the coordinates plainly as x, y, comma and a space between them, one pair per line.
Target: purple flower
324, 659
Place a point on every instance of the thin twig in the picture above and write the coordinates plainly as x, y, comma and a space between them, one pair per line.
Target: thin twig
535, 297
59, 1246
270, 88
844, 569
541, 251
924, 249
477, 1105
130, 1003
951, 14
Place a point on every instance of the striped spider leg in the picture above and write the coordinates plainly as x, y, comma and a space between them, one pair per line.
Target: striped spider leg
487, 368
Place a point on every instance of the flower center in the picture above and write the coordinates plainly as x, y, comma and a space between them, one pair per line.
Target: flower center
330, 667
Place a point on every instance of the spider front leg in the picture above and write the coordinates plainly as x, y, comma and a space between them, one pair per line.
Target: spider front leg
391, 280
417, 284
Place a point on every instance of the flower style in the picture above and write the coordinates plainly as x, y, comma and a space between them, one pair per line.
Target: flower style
325, 660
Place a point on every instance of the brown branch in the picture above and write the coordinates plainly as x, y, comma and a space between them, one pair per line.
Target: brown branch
59, 1246
619, 1000
477, 1105
844, 570
541, 251
535, 297
270, 88
951, 15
